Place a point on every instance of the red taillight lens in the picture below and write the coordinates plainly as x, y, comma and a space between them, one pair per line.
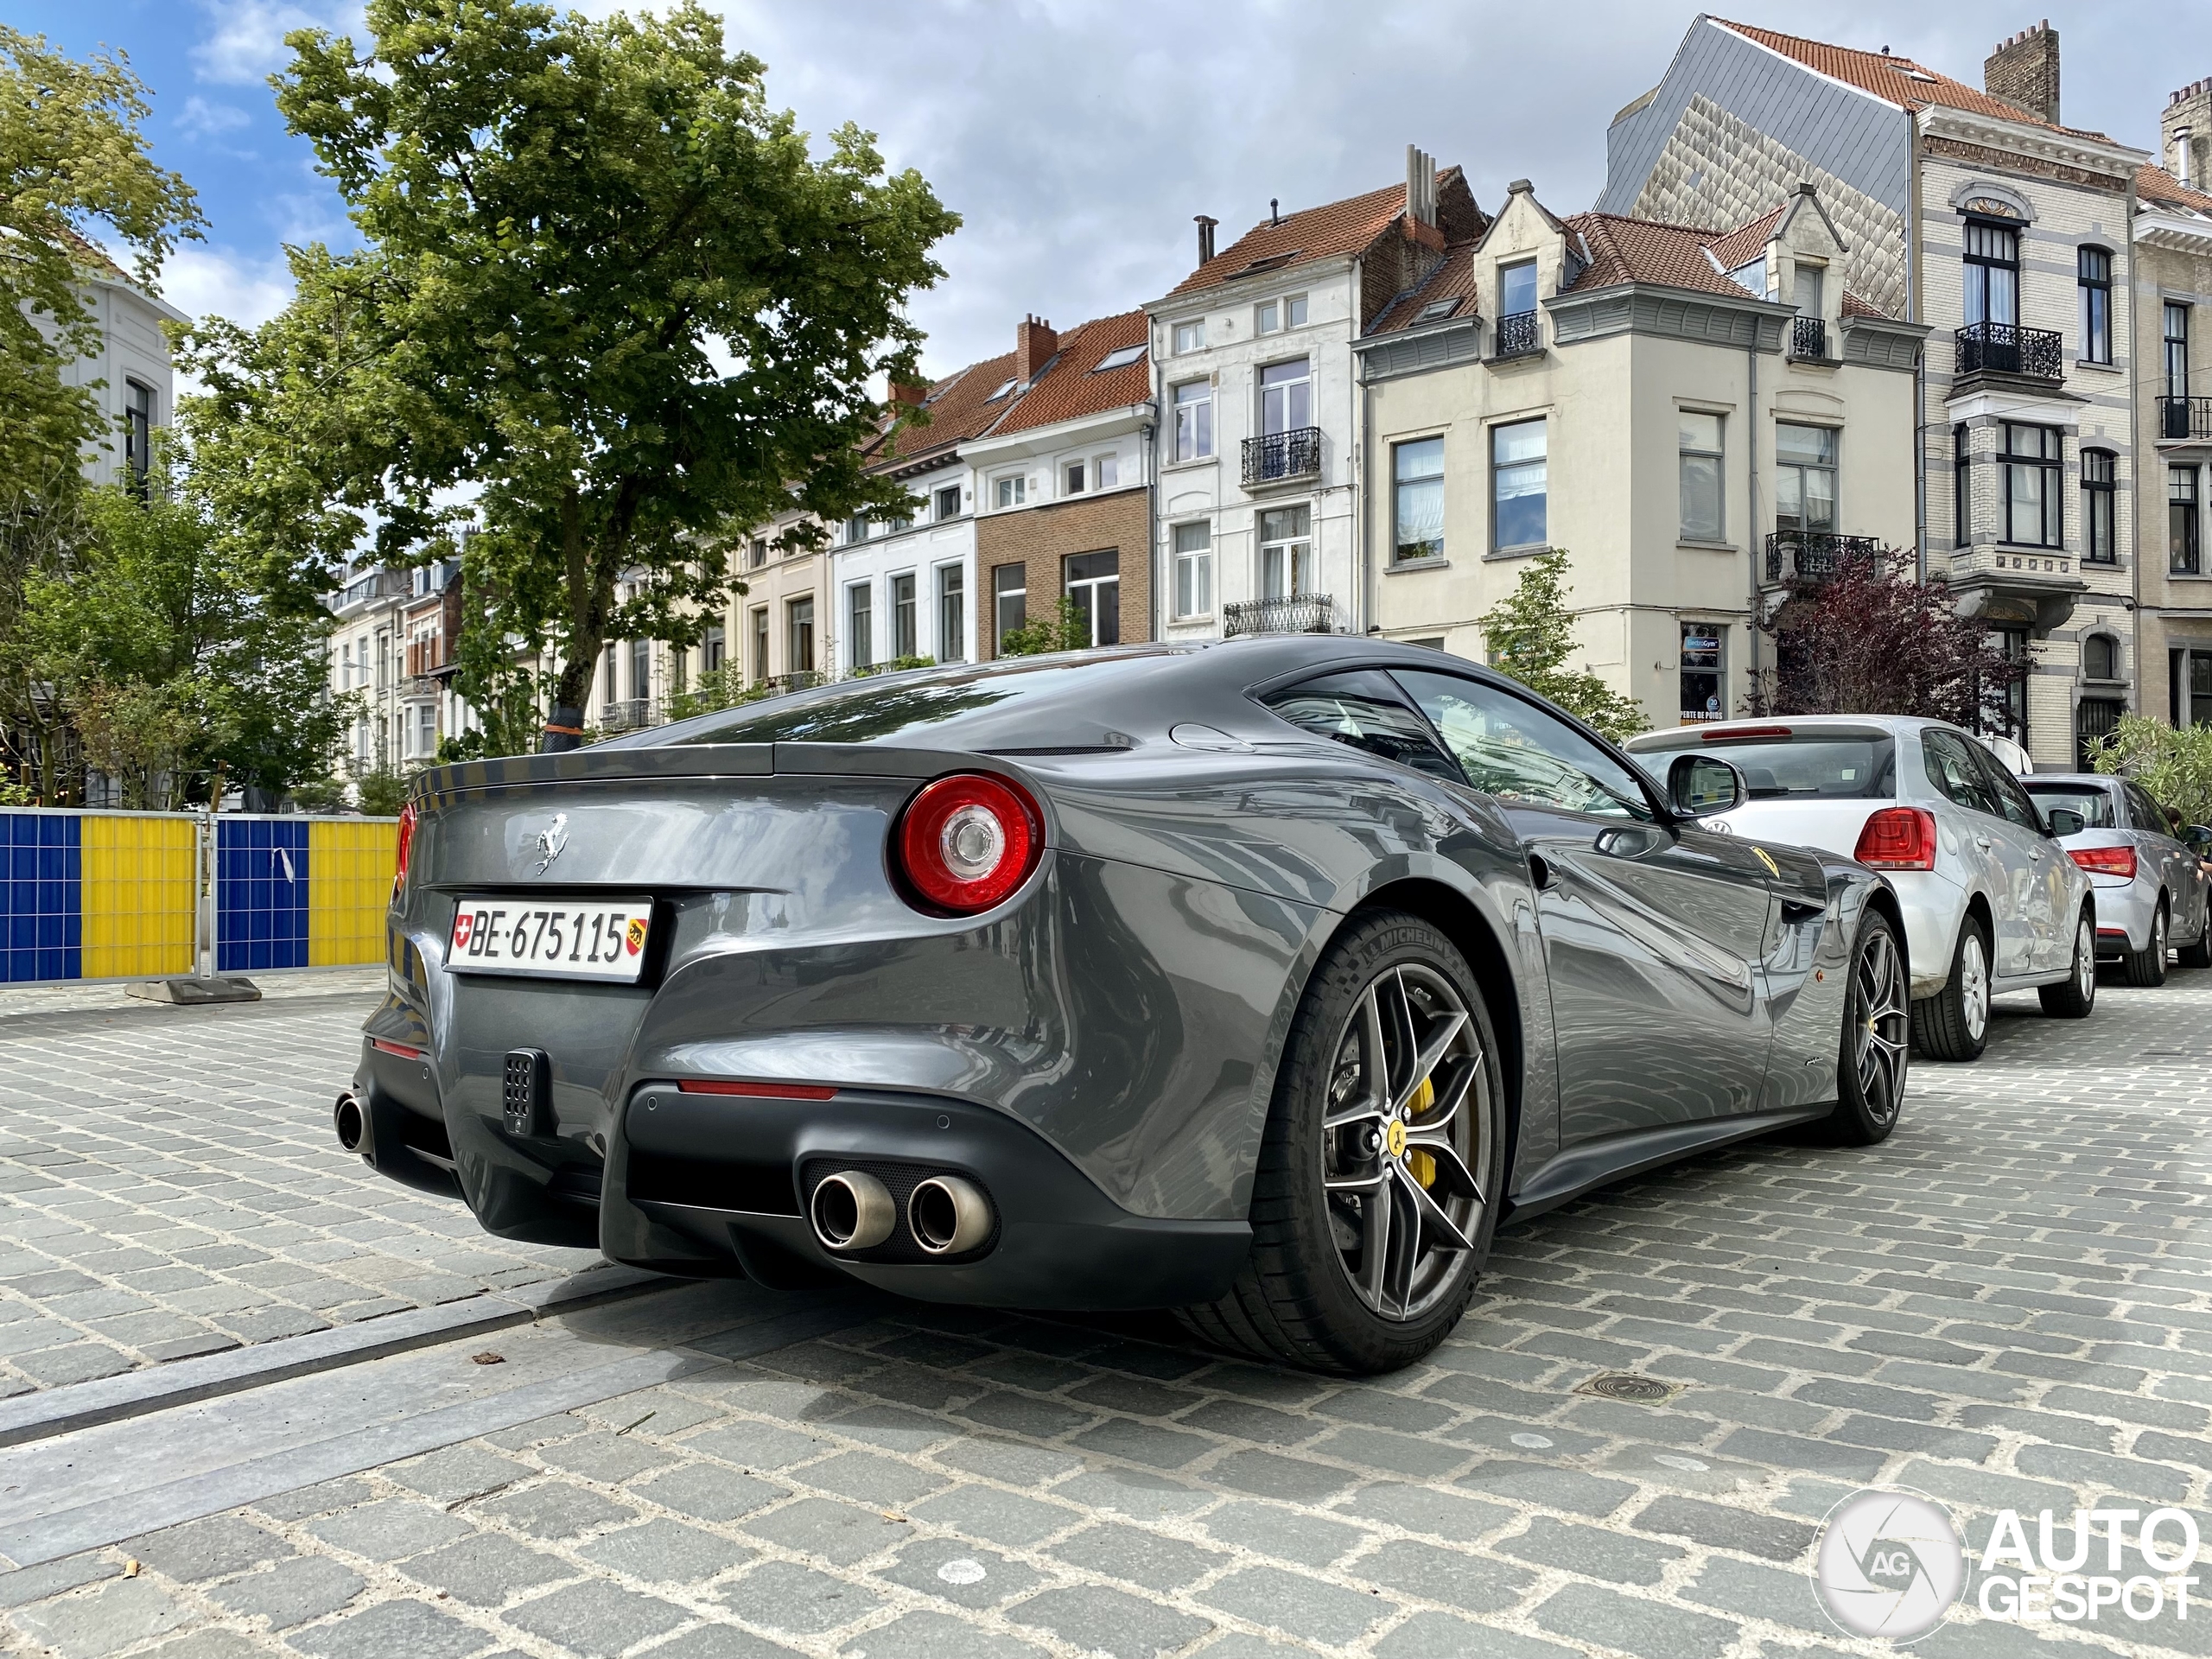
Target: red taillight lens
406, 846
1899, 838
967, 842
2106, 861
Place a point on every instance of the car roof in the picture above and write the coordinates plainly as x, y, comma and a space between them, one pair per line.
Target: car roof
1709, 731
2103, 780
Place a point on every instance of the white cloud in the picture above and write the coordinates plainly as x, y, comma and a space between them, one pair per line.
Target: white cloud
246, 44
204, 281
200, 119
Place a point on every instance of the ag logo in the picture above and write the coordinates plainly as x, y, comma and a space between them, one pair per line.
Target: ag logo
551, 840
1889, 1563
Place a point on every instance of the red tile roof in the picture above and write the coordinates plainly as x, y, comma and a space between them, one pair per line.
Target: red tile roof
1071, 385
1332, 230
960, 407
1453, 280
1747, 242
1894, 79
2154, 184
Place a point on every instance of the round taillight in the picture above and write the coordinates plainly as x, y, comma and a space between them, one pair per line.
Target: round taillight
406, 845
965, 842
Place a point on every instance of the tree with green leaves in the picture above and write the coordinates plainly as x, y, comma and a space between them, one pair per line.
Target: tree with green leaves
2174, 764
1066, 629
608, 308
1529, 635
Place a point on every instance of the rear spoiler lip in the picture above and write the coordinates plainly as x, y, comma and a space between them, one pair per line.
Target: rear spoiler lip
443, 785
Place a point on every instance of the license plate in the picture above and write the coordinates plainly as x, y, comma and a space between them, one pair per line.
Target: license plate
602, 940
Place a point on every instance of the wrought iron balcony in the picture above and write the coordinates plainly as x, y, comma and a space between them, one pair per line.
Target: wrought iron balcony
626, 716
2181, 419
1809, 337
1518, 335
1281, 457
2005, 348
1296, 614
1813, 554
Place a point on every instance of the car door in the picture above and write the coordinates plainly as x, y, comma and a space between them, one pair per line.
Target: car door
2036, 863
1653, 929
1959, 778
2178, 872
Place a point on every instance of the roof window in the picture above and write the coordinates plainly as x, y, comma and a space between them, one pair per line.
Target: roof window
1435, 310
999, 393
1119, 360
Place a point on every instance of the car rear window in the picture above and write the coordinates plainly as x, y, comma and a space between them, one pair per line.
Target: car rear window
1807, 766
2094, 804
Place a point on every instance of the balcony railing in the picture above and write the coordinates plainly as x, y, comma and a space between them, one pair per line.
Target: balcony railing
1279, 457
1297, 613
1518, 335
1813, 554
626, 715
2183, 418
2005, 348
1809, 337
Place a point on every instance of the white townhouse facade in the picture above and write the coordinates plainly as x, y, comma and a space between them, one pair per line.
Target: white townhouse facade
903, 588
131, 377
1259, 423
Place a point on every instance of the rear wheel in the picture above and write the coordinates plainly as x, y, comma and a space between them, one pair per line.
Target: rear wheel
1953, 1024
2073, 996
1870, 1067
1383, 1162
2148, 966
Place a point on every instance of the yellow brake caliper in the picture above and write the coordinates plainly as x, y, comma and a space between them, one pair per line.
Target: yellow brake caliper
1422, 1166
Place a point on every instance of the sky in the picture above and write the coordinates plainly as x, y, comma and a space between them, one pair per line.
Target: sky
1078, 140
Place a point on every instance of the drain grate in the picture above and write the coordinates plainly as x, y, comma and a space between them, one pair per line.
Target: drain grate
1626, 1385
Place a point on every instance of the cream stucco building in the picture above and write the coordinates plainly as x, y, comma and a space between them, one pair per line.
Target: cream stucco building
1693, 417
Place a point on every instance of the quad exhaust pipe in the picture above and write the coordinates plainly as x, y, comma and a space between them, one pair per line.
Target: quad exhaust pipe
853, 1211
350, 1121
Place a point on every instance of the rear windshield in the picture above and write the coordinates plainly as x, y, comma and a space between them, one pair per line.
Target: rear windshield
1807, 767
2094, 804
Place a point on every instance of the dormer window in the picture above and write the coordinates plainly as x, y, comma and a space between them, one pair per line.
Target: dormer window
1120, 359
999, 393
1517, 289
1750, 277
1437, 311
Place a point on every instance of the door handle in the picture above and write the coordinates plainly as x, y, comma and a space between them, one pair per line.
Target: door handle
1984, 843
2035, 854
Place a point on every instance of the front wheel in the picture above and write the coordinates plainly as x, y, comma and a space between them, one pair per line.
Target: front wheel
2197, 953
1382, 1164
2073, 996
1953, 1024
1870, 1066
2148, 966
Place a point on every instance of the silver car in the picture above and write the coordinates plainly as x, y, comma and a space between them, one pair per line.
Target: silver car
1991, 901
2150, 886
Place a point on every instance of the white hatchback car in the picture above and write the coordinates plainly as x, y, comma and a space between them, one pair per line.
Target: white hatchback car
1992, 902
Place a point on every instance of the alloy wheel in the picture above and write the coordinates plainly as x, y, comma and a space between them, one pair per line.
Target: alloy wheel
1401, 1138
1883, 1023
2085, 959
1974, 984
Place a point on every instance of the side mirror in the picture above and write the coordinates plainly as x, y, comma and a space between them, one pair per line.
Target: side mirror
1698, 786
2064, 821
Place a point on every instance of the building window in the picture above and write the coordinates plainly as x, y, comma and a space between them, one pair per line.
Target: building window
2013, 642
2185, 532
712, 648
1286, 397
1009, 601
1992, 273
1517, 289
1189, 337
1704, 677
1804, 477
1702, 473
2176, 364
760, 551
426, 730
2099, 657
798, 657
1518, 485
1193, 569
904, 642
856, 530
1011, 490
1094, 585
1271, 315
951, 613
1286, 553
948, 502
2097, 305
2191, 685
641, 670
1417, 473
760, 643
1105, 472
1074, 478
1962, 485
2099, 521
1193, 420
2029, 465
860, 620
138, 431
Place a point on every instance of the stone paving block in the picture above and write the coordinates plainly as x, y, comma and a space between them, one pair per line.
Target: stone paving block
1309, 1608
606, 1457
388, 1530
1141, 1557
751, 1444
1457, 1578
938, 1635
1792, 1453
31, 1584
1287, 1534
1269, 1474
1784, 1595
118, 1614
487, 1569
210, 1643
708, 1493
719, 1641
1095, 1619
1641, 1625
840, 1533
1595, 1552
213, 1548
597, 1619
291, 1592
554, 1510
884, 1483
960, 1571
1137, 1493
1003, 1517
1008, 1461
801, 1600
663, 1551
1021, 1413
1442, 1636
458, 1472
1148, 1443
1558, 1488
306, 1501
1722, 1527
893, 1428
390, 1628
1441, 1512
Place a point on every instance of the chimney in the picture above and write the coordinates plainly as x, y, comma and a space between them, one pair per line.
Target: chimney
1275, 210
2024, 70
1206, 222
2185, 134
1035, 342
1421, 186
907, 393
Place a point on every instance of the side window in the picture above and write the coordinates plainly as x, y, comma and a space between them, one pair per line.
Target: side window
1364, 711
1952, 770
1514, 750
2011, 800
2147, 813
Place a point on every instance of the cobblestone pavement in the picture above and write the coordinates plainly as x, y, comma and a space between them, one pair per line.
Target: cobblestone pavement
169, 1185
2006, 1306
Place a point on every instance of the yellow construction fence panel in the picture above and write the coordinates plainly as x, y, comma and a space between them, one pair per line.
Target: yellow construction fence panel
140, 894
349, 888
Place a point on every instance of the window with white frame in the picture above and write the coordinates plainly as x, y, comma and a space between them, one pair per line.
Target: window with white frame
951, 613
2031, 470
1272, 316
904, 640
1094, 585
760, 642
426, 731
1520, 484
1072, 478
948, 502
1417, 488
1190, 336
1287, 552
1286, 397
1009, 601
1702, 469
1193, 569
1193, 420
799, 649
1120, 357
1010, 491
1804, 476
859, 618
1105, 472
